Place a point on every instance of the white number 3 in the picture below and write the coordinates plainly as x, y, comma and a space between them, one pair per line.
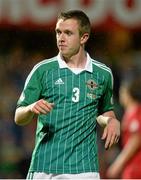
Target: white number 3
76, 94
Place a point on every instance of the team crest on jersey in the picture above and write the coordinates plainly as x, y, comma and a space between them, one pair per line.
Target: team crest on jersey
91, 84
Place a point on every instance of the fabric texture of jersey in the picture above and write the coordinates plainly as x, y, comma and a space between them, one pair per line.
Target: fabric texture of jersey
132, 124
66, 138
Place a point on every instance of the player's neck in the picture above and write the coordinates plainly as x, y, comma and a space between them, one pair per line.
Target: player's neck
76, 61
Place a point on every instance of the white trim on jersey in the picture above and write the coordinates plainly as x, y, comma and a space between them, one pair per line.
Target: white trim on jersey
88, 65
46, 61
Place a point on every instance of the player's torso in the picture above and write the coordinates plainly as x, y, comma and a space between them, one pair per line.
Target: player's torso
68, 132
62, 86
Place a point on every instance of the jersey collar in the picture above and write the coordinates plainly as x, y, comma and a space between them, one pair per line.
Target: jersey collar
88, 66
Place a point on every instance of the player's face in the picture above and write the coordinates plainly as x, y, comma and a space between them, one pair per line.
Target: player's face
68, 38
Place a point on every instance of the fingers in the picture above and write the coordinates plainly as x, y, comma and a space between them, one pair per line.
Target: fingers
41, 107
110, 136
106, 136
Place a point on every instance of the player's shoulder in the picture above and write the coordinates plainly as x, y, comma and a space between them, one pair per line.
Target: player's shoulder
100, 67
46, 64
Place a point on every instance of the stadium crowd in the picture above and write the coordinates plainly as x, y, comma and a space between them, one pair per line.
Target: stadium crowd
19, 52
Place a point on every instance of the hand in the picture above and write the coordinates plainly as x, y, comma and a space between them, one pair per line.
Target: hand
111, 133
41, 107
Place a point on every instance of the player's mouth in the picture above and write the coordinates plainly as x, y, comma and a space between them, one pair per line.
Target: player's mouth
61, 46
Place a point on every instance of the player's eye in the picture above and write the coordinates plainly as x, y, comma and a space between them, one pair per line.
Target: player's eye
69, 33
58, 32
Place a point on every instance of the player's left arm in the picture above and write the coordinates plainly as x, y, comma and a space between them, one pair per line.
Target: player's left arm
111, 133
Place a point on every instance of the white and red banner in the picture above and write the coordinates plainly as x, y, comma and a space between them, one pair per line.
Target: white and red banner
37, 14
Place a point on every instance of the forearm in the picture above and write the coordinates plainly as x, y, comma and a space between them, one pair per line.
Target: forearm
110, 114
129, 150
23, 115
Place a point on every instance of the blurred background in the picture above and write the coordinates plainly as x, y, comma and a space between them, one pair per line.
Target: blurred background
27, 36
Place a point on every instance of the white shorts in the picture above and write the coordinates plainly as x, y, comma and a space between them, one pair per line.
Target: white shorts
81, 176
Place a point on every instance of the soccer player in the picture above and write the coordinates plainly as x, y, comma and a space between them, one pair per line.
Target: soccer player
67, 93
128, 162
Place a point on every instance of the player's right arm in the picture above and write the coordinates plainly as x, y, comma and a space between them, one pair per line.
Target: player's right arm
25, 114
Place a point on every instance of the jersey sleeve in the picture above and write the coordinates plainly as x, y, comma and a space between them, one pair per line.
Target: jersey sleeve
106, 102
32, 89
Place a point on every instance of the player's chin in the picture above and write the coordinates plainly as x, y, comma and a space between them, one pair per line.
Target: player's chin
64, 54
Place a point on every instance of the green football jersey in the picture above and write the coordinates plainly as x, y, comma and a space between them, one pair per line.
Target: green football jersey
66, 138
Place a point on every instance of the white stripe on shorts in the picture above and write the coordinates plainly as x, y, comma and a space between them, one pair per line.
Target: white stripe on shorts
86, 176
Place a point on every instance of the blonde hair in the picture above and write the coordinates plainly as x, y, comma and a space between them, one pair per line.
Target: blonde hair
81, 17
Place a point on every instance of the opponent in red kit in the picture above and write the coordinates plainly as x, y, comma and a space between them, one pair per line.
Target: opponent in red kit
128, 163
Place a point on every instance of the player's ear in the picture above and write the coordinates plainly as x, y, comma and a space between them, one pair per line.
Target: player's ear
84, 38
